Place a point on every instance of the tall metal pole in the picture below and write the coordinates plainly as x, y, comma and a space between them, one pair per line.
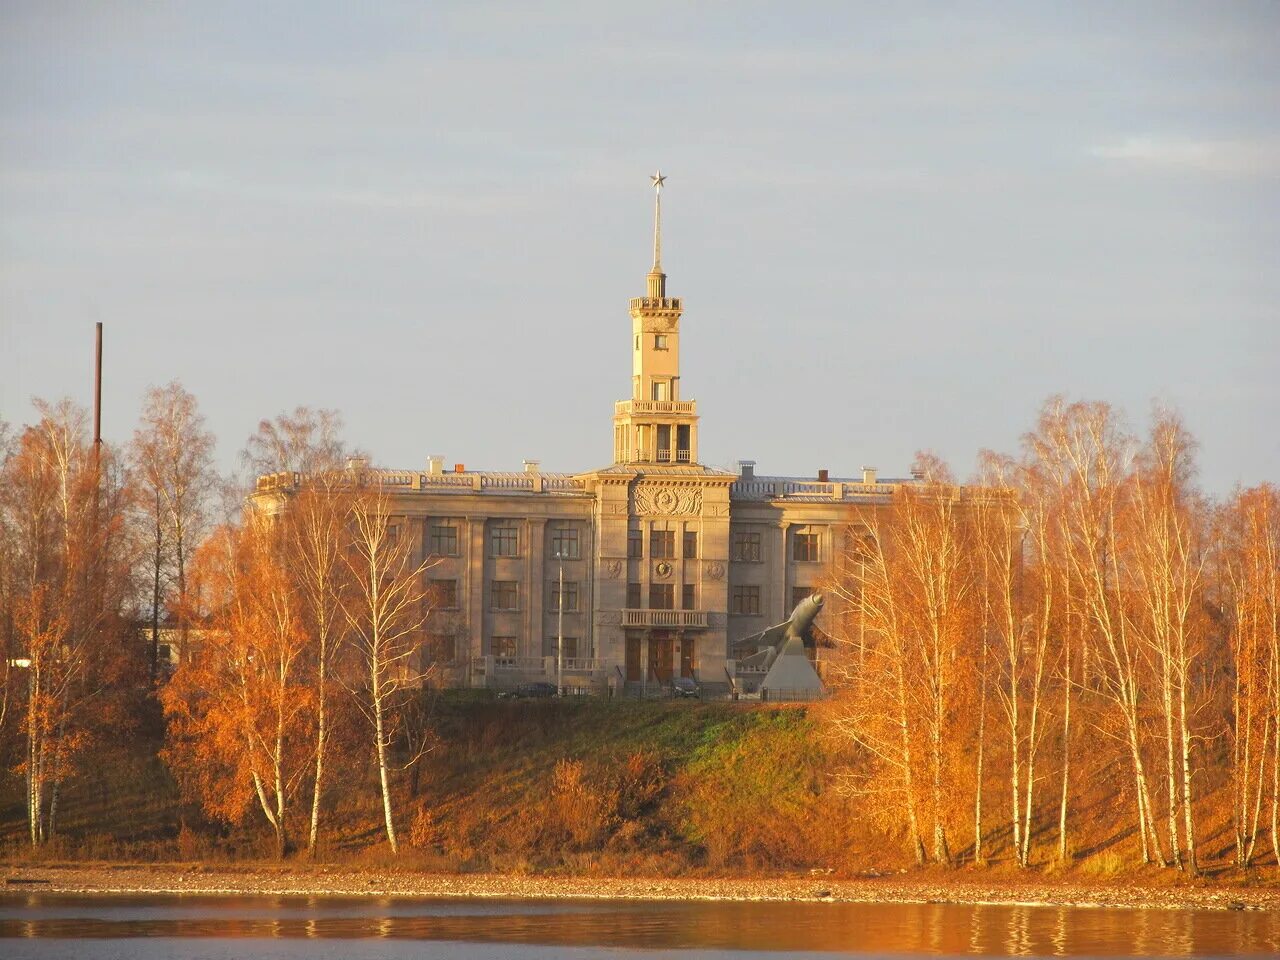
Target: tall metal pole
97, 394
560, 629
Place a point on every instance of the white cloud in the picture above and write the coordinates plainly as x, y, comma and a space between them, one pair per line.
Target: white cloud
1259, 157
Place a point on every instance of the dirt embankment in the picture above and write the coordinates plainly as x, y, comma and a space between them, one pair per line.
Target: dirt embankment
909, 888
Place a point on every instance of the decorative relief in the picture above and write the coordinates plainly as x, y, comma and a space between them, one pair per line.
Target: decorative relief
666, 501
613, 569
717, 619
715, 570
662, 569
609, 617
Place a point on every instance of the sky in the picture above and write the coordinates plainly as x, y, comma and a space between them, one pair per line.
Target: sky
896, 227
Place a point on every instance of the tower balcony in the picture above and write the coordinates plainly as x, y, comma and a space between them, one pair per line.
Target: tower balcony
625, 408
657, 303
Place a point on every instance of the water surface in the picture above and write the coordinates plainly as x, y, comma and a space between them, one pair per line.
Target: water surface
220, 927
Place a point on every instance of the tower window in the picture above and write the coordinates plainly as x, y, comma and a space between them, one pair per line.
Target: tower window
691, 544
659, 341
662, 544
660, 389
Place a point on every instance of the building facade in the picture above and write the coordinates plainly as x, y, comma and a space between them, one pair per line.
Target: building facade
624, 577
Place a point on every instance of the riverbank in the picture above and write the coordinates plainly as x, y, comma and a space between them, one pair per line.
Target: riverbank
931, 887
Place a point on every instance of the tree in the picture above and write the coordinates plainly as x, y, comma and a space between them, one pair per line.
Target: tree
68, 582
172, 454
912, 586
1248, 569
1086, 456
386, 611
1018, 599
238, 708
314, 513
306, 442
1167, 558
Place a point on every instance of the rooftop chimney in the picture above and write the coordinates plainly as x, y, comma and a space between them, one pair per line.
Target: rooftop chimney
747, 469
868, 475
822, 475
532, 466
435, 465
459, 468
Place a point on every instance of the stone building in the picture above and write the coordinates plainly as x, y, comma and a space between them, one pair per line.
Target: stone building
625, 576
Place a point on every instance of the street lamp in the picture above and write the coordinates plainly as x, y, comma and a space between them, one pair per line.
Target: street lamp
559, 555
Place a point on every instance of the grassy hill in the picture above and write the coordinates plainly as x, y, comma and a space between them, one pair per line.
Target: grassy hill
590, 786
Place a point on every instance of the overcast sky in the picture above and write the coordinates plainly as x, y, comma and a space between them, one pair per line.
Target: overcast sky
895, 227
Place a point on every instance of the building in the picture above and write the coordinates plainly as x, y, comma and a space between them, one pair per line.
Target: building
623, 577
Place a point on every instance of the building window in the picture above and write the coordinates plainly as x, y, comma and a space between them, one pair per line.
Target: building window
805, 546
444, 540
504, 595
635, 544
662, 544
662, 596
564, 543
570, 596
799, 595
393, 532
504, 541
659, 341
660, 390
502, 646
567, 646
442, 646
746, 547
633, 596
746, 600
686, 597
443, 594
691, 544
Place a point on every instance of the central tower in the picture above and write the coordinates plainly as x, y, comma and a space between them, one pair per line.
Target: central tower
655, 425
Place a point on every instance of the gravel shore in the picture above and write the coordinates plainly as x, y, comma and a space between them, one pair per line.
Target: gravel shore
899, 888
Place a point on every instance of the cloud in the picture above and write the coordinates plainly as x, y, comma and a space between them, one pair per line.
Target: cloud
1239, 158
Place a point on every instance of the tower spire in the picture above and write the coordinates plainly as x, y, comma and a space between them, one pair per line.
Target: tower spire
657, 279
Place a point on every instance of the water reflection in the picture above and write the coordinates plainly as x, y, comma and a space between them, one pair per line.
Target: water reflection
720, 927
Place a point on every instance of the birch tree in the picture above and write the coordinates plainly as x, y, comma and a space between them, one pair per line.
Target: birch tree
1086, 454
385, 610
172, 455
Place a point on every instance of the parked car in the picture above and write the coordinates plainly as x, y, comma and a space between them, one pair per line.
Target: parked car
685, 687
535, 690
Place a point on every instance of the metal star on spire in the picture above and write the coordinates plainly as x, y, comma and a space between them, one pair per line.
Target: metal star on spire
658, 180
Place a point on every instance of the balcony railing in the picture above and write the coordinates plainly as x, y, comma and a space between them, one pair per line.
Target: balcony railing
655, 303
677, 619
623, 407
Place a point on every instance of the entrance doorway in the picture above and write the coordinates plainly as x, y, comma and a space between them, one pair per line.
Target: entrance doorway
661, 656
686, 657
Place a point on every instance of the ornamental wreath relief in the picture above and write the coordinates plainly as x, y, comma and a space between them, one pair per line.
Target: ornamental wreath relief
666, 501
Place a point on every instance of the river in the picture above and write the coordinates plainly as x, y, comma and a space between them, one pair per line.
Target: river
318, 928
